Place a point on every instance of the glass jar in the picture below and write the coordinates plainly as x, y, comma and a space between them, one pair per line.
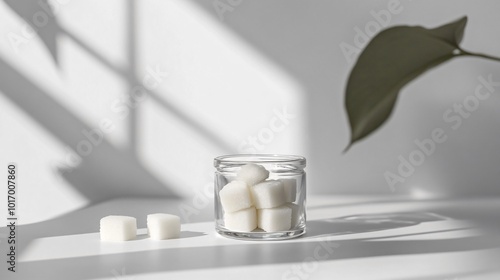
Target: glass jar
260, 197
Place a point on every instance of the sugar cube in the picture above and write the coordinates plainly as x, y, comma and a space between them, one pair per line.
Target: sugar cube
252, 174
243, 220
275, 219
295, 213
268, 194
290, 186
235, 196
118, 228
163, 226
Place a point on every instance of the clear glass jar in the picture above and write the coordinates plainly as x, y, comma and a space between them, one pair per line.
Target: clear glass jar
261, 205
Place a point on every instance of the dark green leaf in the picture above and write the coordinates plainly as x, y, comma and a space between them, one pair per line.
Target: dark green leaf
393, 58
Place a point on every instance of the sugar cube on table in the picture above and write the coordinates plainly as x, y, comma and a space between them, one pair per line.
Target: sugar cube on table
252, 174
295, 213
268, 194
243, 220
275, 219
163, 226
235, 196
290, 186
118, 228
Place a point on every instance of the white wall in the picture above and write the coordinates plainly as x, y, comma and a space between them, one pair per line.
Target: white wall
221, 80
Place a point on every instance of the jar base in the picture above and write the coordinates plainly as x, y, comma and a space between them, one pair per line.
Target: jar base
261, 236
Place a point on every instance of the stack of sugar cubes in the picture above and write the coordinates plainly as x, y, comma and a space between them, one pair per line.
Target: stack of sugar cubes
251, 201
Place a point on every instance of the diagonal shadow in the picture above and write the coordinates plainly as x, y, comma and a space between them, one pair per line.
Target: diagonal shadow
198, 128
129, 75
304, 40
48, 32
96, 178
107, 171
301, 40
39, 15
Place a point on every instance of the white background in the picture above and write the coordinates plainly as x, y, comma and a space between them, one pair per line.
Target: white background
226, 76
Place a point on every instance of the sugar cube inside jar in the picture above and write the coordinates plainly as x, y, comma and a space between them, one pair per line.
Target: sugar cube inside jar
260, 197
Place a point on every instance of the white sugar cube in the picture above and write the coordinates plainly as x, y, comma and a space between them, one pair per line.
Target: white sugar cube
290, 186
295, 213
243, 220
275, 219
252, 174
235, 196
268, 194
163, 226
118, 228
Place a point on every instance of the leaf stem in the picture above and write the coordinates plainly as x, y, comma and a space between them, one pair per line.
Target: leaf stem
466, 53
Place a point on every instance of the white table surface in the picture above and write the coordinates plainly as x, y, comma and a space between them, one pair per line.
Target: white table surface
348, 237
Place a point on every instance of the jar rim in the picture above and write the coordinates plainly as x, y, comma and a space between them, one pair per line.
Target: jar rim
259, 158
